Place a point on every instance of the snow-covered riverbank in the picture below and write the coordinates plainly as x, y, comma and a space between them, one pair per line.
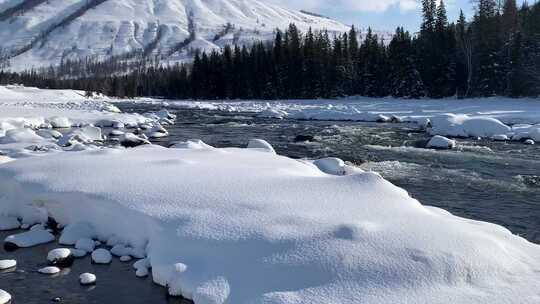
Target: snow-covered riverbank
498, 117
236, 225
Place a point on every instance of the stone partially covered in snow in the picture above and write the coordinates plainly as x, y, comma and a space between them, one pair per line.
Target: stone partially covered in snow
61, 257
7, 264
262, 145
49, 270
130, 140
74, 232
20, 135
500, 137
87, 279
60, 122
5, 297
120, 250
125, 258
28, 239
240, 226
9, 223
331, 165
142, 272
101, 256
78, 253
46, 133
273, 113
466, 126
85, 135
192, 144
441, 142
85, 244
529, 142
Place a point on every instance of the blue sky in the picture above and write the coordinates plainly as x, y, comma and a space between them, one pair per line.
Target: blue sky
379, 14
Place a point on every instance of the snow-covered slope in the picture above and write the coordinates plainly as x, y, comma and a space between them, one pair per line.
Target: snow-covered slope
37, 33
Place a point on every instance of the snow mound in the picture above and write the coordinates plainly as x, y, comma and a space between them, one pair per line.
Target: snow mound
101, 256
240, 226
20, 135
6, 264
74, 232
85, 244
441, 142
49, 270
29, 239
262, 145
194, 144
62, 257
466, 126
87, 279
5, 297
9, 223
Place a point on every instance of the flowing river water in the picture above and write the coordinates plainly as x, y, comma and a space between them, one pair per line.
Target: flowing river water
498, 182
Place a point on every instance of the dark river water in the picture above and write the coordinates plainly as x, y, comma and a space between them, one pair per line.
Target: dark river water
484, 180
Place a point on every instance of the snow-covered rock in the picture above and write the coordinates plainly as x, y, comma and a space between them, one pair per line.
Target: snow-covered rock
467, 126
85, 244
125, 258
49, 270
74, 232
529, 142
6, 264
240, 226
83, 135
5, 297
87, 279
193, 144
78, 253
500, 137
130, 140
20, 135
101, 256
120, 250
9, 223
28, 239
441, 142
60, 122
331, 165
142, 272
261, 144
62, 257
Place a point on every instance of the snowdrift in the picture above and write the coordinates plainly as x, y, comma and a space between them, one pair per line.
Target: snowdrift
248, 226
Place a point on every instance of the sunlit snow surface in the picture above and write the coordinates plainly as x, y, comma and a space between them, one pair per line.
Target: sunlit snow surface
270, 229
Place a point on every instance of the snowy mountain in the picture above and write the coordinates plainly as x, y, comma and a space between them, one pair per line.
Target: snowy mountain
36, 33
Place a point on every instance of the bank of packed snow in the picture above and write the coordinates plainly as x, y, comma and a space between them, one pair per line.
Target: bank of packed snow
249, 226
496, 118
36, 122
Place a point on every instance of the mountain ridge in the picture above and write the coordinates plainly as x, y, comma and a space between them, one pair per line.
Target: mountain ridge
37, 33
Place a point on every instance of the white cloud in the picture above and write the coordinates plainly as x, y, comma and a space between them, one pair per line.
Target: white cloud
351, 5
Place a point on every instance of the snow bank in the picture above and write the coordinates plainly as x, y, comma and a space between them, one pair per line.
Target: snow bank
87, 279
29, 238
240, 226
5, 297
465, 126
481, 117
441, 142
6, 264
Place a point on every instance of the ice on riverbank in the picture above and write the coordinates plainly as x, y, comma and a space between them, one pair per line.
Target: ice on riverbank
241, 226
28, 116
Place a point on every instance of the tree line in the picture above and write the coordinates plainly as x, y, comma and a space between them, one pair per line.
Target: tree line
496, 52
